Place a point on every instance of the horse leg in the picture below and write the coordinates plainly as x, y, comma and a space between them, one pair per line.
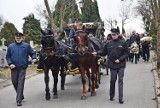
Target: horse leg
82, 71
63, 78
89, 80
55, 76
97, 78
93, 93
46, 79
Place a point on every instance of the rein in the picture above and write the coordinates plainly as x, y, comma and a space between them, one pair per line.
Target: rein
51, 48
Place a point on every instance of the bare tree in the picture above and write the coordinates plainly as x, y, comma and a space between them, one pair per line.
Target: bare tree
41, 12
1, 20
47, 14
155, 7
110, 23
50, 14
125, 13
144, 9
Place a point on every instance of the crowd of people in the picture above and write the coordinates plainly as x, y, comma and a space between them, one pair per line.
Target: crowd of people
139, 46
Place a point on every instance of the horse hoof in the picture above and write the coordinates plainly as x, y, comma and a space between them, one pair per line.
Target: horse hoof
48, 96
83, 97
55, 96
93, 94
62, 88
99, 82
97, 86
89, 90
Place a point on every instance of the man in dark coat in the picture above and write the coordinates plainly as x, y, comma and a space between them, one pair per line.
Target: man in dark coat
134, 38
117, 52
17, 59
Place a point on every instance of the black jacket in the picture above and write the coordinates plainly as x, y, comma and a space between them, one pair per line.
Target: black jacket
134, 38
115, 49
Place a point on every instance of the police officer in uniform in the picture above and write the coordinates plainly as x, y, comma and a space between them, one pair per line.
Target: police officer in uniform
117, 52
17, 59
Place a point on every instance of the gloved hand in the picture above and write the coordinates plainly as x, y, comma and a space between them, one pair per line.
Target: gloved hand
94, 53
33, 61
12, 66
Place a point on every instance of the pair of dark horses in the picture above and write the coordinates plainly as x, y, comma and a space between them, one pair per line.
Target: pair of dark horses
55, 60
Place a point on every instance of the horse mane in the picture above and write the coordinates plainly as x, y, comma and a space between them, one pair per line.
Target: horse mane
47, 31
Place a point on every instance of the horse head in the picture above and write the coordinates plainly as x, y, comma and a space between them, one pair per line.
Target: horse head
82, 42
48, 42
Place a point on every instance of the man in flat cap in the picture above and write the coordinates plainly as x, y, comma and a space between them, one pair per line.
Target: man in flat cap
78, 25
17, 59
117, 52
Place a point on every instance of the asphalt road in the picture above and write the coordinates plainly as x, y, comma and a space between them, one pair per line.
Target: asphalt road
138, 91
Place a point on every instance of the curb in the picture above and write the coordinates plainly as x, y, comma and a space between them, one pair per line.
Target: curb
157, 88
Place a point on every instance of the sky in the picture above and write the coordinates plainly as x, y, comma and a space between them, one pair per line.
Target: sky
14, 10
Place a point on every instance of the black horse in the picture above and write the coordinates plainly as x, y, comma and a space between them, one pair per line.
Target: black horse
52, 58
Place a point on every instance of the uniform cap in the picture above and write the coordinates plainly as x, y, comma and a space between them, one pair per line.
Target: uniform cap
19, 34
114, 30
77, 20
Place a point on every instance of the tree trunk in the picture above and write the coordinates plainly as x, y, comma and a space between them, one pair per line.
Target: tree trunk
61, 15
154, 12
158, 40
55, 28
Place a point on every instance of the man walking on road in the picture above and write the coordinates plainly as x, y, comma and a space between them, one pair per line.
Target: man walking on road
17, 59
117, 52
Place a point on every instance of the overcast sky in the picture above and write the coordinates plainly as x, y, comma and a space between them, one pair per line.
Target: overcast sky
14, 11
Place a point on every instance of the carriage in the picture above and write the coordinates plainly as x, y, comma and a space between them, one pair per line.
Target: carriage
94, 28
55, 59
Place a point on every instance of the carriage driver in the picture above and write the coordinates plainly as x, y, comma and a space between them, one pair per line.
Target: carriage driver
78, 25
117, 52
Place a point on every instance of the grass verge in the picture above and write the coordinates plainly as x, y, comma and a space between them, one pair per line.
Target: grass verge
6, 75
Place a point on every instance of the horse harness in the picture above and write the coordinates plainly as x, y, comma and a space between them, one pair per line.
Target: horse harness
89, 48
54, 45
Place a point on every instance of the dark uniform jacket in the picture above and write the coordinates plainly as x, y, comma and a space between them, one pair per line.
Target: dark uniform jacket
17, 54
115, 49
